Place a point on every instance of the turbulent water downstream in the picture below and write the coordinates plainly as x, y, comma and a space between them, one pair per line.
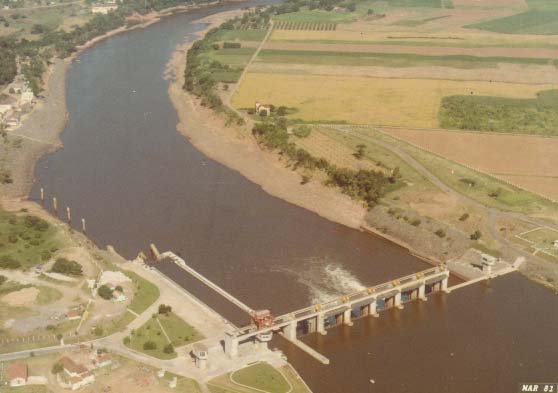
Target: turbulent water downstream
137, 181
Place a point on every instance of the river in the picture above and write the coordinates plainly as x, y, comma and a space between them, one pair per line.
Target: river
136, 181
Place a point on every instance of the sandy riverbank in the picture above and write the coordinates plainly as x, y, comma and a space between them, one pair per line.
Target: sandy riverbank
240, 151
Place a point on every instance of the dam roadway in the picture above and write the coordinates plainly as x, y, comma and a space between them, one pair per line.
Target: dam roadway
126, 170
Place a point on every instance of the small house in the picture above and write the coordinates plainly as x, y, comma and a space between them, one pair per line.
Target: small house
263, 109
102, 360
75, 374
555, 244
73, 315
17, 374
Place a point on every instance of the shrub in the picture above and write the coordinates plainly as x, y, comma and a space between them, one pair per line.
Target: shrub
3, 279
67, 267
302, 131
231, 45
168, 348
476, 235
127, 340
105, 292
164, 309
98, 331
149, 345
416, 222
440, 233
46, 255
464, 217
57, 368
7, 262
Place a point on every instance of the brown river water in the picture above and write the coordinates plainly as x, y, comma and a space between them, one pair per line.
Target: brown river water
136, 181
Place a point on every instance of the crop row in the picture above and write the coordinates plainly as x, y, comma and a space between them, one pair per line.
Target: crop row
285, 25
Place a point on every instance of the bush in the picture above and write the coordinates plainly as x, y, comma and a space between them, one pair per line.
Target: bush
164, 309
168, 348
302, 131
46, 255
67, 267
105, 292
57, 368
127, 340
464, 217
476, 235
3, 279
416, 222
440, 233
7, 262
149, 345
98, 331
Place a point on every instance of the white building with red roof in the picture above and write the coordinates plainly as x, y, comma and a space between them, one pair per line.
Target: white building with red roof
17, 374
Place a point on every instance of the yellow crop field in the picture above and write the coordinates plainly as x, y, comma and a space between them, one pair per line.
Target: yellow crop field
367, 100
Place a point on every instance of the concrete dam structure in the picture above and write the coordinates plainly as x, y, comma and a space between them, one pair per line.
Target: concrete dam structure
317, 318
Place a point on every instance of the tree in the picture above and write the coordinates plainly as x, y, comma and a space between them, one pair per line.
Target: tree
67, 267
440, 233
57, 368
127, 340
361, 151
476, 235
105, 292
164, 309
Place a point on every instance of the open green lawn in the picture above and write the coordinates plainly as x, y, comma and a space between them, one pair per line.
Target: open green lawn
26, 240
262, 376
48, 295
417, 22
537, 116
179, 332
388, 59
145, 295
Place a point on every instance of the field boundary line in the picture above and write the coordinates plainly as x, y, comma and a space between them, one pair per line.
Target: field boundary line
479, 171
245, 70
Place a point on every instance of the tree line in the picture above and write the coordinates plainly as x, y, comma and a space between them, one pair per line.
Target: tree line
366, 185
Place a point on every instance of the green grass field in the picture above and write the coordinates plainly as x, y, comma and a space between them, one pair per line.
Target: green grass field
243, 35
235, 58
318, 16
540, 18
261, 376
542, 238
388, 59
26, 241
145, 294
416, 3
179, 332
537, 116
417, 22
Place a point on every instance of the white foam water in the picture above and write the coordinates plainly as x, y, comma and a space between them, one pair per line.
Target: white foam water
325, 279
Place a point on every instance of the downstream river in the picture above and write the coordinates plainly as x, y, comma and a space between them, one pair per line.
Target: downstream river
136, 181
